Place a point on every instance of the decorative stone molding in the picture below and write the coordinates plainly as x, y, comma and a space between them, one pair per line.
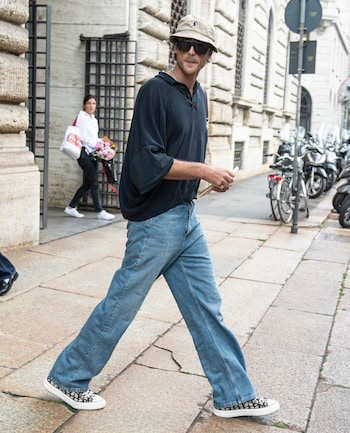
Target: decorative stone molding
13, 79
15, 11
13, 39
14, 118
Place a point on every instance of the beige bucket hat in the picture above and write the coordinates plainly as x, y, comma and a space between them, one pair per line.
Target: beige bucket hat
195, 27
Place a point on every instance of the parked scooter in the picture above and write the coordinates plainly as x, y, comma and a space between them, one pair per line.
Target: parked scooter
343, 156
330, 166
343, 190
344, 213
315, 174
328, 143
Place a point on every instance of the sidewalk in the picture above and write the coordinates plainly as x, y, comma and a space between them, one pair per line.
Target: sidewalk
286, 296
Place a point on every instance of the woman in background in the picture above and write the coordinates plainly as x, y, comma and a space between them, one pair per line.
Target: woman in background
88, 128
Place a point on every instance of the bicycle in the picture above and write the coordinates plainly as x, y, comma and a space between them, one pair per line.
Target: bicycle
282, 165
282, 192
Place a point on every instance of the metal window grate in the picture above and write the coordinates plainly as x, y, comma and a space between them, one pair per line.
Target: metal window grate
267, 60
110, 75
238, 154
266, 144
240, 48
38, 103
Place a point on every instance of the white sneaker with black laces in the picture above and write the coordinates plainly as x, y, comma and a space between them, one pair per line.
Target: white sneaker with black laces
86, 400
255, 407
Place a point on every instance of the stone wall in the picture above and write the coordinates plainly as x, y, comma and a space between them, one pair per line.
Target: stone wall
19, 176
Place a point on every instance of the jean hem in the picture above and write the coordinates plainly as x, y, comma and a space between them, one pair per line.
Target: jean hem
64, 388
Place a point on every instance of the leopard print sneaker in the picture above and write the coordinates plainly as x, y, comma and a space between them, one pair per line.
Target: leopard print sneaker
85, 400
256, 407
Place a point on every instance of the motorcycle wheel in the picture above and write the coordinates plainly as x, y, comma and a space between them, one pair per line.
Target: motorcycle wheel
338, 200
317, 187
344, 213
331, 179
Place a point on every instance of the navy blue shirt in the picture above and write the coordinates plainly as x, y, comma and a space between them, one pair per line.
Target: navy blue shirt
167, 124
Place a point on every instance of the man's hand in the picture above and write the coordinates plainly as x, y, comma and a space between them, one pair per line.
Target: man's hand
221, 188
221, 179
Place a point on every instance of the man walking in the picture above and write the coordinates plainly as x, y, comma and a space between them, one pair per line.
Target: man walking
163, 165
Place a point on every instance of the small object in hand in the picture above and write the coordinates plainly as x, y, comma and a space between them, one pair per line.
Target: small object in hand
206, 191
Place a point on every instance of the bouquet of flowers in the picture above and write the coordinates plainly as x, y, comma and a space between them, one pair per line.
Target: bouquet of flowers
105, 149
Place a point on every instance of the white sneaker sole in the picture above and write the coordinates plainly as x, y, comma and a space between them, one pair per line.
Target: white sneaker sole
234, 413
98, 403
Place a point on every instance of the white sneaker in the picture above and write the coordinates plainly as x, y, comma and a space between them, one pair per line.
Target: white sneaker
103, 215
72, 211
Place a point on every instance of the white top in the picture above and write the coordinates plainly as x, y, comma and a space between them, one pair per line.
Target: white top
88, 129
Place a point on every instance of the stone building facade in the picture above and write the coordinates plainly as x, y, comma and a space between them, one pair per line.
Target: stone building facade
251, 95
332, 67
241, 126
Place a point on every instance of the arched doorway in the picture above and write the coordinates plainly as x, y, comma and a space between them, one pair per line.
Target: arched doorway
305, 109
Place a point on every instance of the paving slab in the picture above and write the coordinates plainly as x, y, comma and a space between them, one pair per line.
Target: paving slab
35, 268
230, 252
340, 333
329, 248
270, 265
244, 302
283, 238
314, 287
174, 349
255, 231
219, 224
91, 279
288, 328
28, 415
290, 377
330, 412
34, 321
336, 369
344, 303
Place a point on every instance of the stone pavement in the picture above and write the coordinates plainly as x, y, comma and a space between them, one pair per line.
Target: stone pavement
286, 296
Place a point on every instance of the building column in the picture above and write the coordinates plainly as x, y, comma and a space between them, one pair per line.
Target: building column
19, 175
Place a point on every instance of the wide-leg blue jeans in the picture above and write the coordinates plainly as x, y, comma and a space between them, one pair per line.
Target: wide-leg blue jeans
171, 244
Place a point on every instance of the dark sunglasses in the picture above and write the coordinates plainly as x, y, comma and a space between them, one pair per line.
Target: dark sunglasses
185, 45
